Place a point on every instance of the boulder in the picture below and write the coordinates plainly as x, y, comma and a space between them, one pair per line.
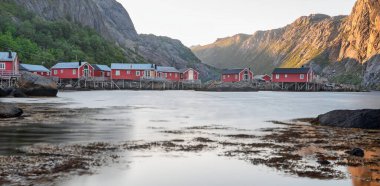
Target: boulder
17, 93
3, 93
356, 152
9, 111
364, 119
35, 85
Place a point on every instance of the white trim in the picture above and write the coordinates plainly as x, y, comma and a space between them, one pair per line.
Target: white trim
2, 66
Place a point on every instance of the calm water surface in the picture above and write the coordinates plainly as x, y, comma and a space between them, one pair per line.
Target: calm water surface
131, 115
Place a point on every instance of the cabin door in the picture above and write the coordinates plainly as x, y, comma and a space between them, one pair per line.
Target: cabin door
86, 71
246, 76
191, 75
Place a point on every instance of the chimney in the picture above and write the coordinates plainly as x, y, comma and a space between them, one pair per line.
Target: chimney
80, 62
10, 56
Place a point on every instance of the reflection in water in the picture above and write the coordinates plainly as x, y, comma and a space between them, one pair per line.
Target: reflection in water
366, 175
115, 116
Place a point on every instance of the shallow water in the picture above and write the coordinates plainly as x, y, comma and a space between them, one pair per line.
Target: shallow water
131, 115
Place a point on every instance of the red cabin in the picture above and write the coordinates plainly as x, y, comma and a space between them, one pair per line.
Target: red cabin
168, 73
132, 71
102, 71
189, 74
72, 70
237, 75
35, 69
9, 64
263, 78
292, 75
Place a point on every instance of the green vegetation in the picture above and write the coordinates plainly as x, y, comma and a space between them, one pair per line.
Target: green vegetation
39, 41
352, 79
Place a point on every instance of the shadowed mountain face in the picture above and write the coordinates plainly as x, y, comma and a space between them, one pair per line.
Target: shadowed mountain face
333, 46
112, 21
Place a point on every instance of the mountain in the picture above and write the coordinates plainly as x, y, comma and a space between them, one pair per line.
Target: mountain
110, 19
342, 48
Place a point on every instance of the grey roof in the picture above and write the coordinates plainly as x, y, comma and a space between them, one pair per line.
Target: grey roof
291, 70
102, 68
68, 65
120, 66
232, 71
33, 68
4, 56
167, 69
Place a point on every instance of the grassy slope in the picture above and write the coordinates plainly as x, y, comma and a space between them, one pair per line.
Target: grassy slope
39, 41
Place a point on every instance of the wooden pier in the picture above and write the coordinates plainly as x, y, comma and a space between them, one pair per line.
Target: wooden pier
100, 83
8, 79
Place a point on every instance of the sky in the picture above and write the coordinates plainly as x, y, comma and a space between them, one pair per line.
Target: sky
197, 22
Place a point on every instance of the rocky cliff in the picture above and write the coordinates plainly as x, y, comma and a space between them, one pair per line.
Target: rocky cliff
112, 21
333, 46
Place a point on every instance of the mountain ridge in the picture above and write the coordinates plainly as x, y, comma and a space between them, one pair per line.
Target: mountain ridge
110, 19
335, 46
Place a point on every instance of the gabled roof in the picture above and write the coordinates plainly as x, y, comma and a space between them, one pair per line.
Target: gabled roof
291, 71
33, 68
102, 68
4, 56
233, 71
120, 66
68, 65
167, 69
183, 70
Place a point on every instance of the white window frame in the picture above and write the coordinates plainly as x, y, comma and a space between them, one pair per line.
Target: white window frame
108, 73
137, 73
286, 75
277, 76
61, 71
117, 73
74, 71
55, 72
302, 76
236, 76
224, 76
2, 66
166, 75
175, 75
128, 72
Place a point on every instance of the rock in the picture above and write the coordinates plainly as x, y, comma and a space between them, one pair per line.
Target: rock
17, 93
364, 119
35, 85
323, 162
3, 93
356, 152
9, 111
225, 87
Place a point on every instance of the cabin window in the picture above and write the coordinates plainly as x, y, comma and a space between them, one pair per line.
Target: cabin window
302, 76
74, 71
108, 73
228, 76
236, 76
277, 76
61, 71
137, 73
55, 72
224, 77
117, 73
176, 75
286, 75
128, 72
166, 75
170, 74
2, 66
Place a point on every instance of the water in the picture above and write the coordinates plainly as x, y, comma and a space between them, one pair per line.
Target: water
131, 115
